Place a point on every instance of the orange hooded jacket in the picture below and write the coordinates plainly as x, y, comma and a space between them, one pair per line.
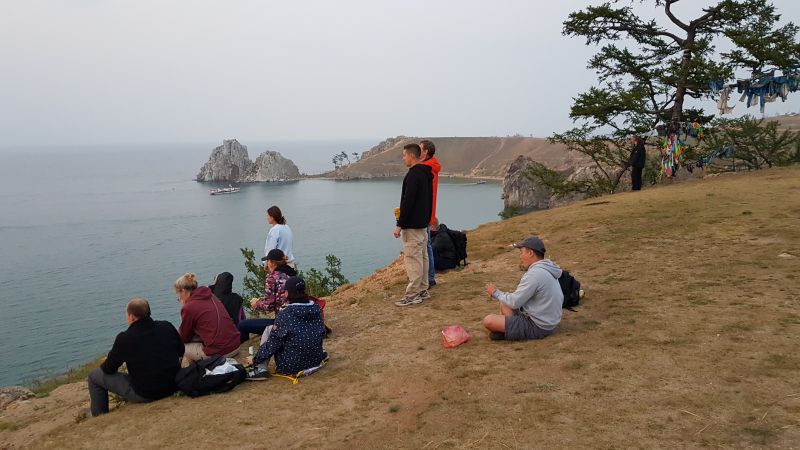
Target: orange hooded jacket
435, 168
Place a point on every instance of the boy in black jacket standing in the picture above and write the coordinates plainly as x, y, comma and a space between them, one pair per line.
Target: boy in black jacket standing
416, 204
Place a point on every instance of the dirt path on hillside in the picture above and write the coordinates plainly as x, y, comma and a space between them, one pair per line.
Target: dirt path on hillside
688, 338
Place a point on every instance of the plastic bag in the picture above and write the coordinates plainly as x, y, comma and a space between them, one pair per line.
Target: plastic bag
454, 335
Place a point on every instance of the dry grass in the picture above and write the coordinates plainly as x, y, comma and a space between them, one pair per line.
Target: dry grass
687, 339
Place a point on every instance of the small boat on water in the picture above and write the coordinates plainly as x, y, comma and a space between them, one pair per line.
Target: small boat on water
228, 190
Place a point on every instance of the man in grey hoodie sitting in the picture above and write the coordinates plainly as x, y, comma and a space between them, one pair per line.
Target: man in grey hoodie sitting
533, 311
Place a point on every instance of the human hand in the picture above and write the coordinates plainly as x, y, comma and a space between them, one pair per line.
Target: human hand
248, 361
490, 289
253, 302
397, 232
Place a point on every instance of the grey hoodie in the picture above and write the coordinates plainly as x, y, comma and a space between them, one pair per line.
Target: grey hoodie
538, 294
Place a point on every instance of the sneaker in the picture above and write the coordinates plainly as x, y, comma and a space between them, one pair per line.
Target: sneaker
431, 283
496, 336
408, 301
424, 295
257, 374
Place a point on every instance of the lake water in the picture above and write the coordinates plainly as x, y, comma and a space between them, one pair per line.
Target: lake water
84, 230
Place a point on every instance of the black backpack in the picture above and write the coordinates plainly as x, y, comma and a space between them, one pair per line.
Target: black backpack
194, 382
571, 289
449, 248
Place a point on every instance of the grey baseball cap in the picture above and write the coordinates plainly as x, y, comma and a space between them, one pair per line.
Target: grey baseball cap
531, 242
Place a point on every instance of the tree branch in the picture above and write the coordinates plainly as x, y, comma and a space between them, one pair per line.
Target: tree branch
675, 20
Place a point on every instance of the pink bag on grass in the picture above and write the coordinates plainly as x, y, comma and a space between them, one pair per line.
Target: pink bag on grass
453, 336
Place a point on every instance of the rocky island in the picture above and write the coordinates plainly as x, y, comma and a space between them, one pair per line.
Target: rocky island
230, 162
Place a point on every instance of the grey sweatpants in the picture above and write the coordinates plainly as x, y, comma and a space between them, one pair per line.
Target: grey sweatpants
100, 383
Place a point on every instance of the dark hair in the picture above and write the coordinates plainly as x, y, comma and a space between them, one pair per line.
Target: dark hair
413, 149
429, 147
276, 215
139, 308
297, 297
224, 284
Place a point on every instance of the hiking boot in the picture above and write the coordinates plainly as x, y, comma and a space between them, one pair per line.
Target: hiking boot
408, 301
257, 374
496, 336
424, 295
431, 283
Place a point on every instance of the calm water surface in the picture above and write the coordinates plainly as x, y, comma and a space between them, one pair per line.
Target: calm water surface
82, 231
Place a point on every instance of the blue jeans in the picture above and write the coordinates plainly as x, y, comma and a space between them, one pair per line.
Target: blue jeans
255, 326
431, 269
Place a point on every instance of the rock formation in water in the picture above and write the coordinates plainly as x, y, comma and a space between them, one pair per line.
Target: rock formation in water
520, 192
230, 162
271, 166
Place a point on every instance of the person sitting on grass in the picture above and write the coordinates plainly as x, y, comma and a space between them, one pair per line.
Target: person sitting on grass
206, 328
533, 310
296, 338
276, 264
223, 290
151, 349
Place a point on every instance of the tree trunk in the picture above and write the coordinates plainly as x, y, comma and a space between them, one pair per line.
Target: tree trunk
680, 93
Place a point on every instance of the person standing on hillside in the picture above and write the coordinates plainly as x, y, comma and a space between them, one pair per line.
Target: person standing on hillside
412, 224
280, 235
151, 350
636, 161
428, 150
533, 310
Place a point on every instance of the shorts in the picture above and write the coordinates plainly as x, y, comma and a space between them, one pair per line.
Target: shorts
520, 327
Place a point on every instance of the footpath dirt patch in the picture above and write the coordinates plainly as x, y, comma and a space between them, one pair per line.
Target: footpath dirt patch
687, 338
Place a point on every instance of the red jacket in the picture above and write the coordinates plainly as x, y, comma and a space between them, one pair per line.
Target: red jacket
202, 315
435, 168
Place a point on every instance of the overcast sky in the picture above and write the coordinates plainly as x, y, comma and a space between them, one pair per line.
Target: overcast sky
111, 71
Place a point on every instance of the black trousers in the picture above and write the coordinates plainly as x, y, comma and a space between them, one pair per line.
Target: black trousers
636, 178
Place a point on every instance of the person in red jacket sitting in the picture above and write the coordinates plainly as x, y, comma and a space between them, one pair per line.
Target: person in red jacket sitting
206, 328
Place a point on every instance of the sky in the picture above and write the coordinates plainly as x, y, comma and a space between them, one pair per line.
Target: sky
82, 72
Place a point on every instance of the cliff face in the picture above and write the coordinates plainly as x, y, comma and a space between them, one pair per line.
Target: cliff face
521, 192
271, 166
230, 162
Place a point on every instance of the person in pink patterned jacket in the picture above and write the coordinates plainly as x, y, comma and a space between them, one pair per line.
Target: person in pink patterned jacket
274, 299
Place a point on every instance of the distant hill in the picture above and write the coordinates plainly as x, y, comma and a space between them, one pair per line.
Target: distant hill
487, 157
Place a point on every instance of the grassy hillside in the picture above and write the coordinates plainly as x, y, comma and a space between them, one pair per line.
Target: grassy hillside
687, 338
466, 156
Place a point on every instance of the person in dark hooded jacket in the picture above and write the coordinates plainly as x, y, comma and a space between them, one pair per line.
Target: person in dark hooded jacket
637, 161
276, 264
223, 290
296, 339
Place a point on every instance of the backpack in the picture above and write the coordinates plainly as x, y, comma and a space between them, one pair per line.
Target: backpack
449, 248
571, 288
194, 382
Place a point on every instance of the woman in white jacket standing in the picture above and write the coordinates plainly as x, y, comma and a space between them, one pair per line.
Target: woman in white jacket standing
280, 235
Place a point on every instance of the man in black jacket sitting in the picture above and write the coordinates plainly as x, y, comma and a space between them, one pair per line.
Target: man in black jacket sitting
151, 350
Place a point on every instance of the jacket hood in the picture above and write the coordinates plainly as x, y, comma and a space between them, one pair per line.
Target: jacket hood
548, 266
224, 284
306, 311
433, 163
287, 269
202, 293
421, 166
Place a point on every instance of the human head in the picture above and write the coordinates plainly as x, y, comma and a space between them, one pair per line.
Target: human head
184, 286
274, 213
530, 250
274, 258
435, 224
138, 308
223, 284
411, 154
295, 288
428, 149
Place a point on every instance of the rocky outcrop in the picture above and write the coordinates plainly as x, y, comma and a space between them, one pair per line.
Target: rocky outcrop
230, 162
519, 191
385, 145
12, 394
271, 166
522, 193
